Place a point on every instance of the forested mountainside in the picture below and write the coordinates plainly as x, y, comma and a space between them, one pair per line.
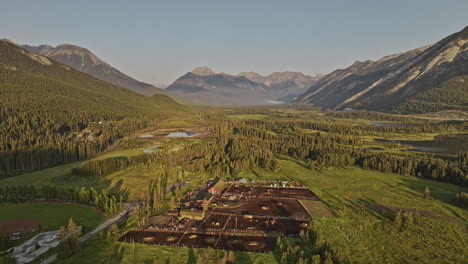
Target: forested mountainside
51, 113
84, 60
451, 95
397, 81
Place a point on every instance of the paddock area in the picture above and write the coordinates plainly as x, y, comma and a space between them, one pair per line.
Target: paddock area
226, 241
240, 217
289, 209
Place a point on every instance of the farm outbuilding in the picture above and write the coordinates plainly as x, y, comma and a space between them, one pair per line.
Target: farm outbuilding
218, 187
192, 214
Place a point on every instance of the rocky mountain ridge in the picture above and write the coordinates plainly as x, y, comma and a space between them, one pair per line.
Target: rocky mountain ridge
84, 60
384, 84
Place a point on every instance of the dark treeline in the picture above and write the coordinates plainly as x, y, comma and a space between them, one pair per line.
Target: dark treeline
336, 149
451, 95
430, 168
238, 146
330, 127
32, 141
102, 167
109, 203
370, 115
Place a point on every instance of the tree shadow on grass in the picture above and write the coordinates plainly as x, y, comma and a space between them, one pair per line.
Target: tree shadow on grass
191, 258
286, 158
445, 192
242, 257
378, 210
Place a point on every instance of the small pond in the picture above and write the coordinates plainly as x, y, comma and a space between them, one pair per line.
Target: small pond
149, 150
183, 134
146, 136
448, 144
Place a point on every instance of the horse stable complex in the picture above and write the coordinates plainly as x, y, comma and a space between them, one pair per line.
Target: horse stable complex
239, 216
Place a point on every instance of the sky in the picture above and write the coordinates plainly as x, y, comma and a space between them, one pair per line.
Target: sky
158, 41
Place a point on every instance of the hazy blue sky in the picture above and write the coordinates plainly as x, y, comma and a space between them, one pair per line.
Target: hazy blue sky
157, 41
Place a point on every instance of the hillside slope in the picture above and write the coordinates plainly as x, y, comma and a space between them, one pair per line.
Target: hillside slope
51, 113
451, 95
34, 82
84, 60
385, 84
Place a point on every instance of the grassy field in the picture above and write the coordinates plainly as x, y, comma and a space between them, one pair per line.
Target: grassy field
369, 236
364, 234
99, 251
42, 177
135, 178
316, 208
52, 215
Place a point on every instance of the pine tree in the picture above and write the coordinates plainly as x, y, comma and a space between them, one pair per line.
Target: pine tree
113, 233
63, 248
427, 193
73, 236
316, 259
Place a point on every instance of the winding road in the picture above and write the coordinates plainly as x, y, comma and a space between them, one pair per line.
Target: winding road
115, 219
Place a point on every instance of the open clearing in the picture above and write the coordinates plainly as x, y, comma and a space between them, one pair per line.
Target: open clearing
315, 208
51, 215
99, 251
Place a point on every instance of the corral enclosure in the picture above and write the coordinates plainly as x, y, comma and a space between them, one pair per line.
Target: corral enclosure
271, 192
290, 209
199, 240
241, 217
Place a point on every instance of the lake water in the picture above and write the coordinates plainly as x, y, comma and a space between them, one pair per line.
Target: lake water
146, 136
149, 150
423, 145
449, 144
373, 148
182, 134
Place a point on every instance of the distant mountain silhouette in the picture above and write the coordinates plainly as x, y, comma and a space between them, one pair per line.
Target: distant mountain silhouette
203, 85
284, 86
84, 60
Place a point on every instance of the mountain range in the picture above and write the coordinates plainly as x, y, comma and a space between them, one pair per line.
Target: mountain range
426, 79
392, 82
203, 85
84, 60
284, 86
33, 84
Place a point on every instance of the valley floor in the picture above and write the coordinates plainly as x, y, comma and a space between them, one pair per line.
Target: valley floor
366, 205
